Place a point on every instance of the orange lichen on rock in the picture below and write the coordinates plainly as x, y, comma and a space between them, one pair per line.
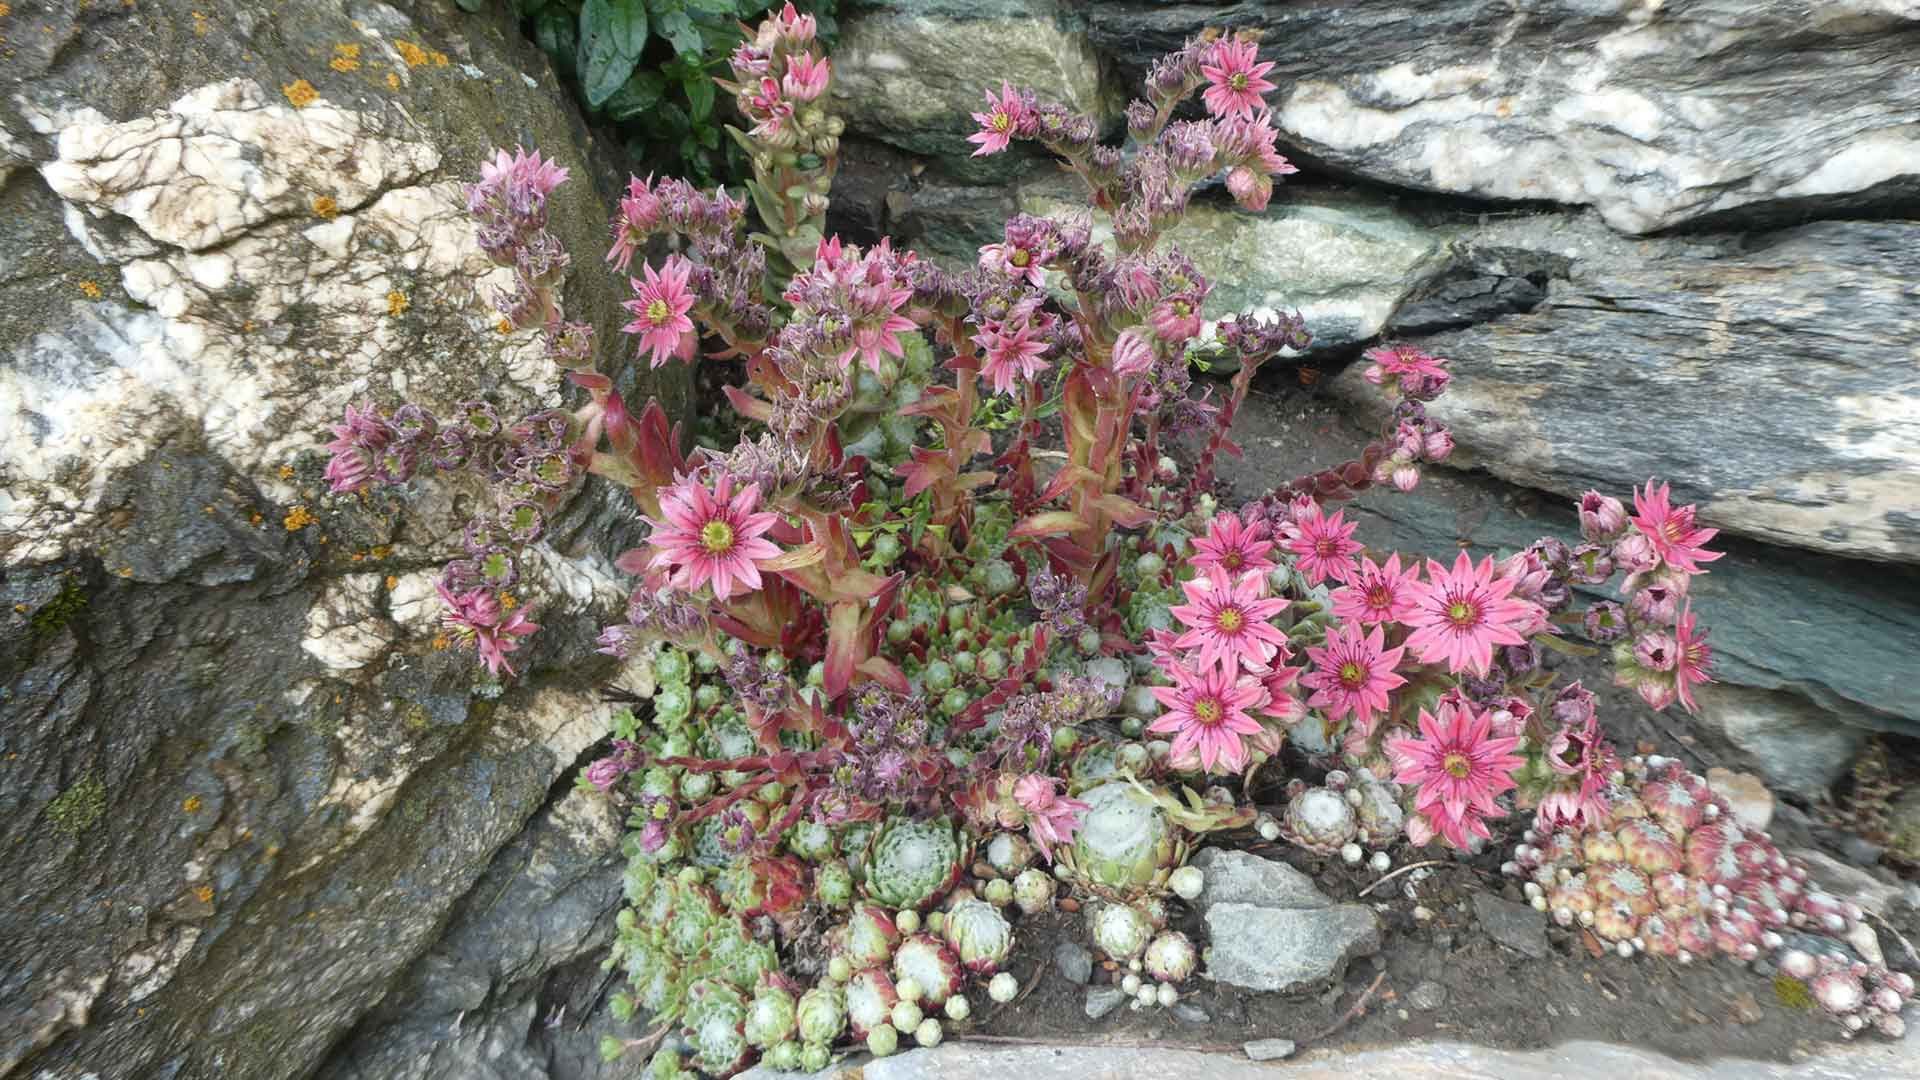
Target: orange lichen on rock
300, 93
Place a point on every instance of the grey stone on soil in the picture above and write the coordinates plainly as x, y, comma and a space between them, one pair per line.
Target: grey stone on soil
1427, 996
244, 794
1713, 109
1756, 371
1241, 877
1793, 741
1102, 1000
1188, 1013
1839, 632
1073, 961
1257, 948
1517, 926
912, 72
1269, 1049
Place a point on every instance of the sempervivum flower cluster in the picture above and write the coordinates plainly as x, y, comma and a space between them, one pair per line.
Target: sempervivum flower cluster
1669, 871
1857, 993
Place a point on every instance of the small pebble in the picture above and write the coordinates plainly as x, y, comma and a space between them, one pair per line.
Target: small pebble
1427, 996
1188, 1013
1422, 913
1102, 1000
1074, 962
1269, 1049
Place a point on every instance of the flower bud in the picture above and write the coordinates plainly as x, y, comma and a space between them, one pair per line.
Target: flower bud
1438, 444
1605, 622
1654, 651
1601, 516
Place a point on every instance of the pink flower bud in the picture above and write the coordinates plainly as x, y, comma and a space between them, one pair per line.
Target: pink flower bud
1439, 444
1248, 188
1601, 516
1634, 553
1657, 690
1654, 651
1406, 477
1657, 604
1374, 374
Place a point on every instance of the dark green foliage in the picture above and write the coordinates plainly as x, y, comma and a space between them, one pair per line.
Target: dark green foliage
648, 67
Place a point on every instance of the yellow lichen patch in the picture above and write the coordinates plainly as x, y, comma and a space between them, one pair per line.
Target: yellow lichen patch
192, 804
413, 54
201, 26
204, 894
439, 58
505, 326
345, 58
393, 81
5, 10
441, 643
300, 93
89, 289
397, 303
325, 208
298, 518
286, 472
508, 601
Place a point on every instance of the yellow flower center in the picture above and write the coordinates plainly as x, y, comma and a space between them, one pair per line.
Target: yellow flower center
1232, 560
1462, 614
658, 312
1207, 710
1020, 257
1002, 122
1379, 597
1237, 80
1229, 620
1457, 765
717, 537
1352, 674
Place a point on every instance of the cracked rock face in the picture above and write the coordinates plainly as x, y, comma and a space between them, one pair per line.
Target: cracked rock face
1772, 379
246, 786
1654, 112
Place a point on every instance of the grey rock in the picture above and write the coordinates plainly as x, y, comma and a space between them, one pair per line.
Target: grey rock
1188, 1013
1860, 851
246, 796
1903, 825
1794, 742
1580, 1060
1258, 948
1073, 961
1241, 877
1746, 599
1102, 1000
1517, 926
1427, 996
1269, 1049
1713, 109
1345, 261
911, 74
1687, 337
1849, 882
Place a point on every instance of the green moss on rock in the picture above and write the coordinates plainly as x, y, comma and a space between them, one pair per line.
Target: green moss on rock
80, 807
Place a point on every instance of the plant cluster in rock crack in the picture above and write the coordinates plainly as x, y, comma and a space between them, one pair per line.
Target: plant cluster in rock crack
955, 639
645, 65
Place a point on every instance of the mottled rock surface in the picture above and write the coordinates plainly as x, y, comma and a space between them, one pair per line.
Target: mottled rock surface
1241, 877
1517, 926
911, 72
1773, 378
244, 788
1286, 949
1656, 114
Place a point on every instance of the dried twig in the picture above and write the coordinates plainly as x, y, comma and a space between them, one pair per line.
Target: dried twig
1912, 956
1402, 870
1359, 1009
1039, 976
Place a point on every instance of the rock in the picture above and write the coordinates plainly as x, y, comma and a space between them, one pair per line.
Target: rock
1794, 742
1517, 926
1746, 1009
1241, 877
1269, 1049
1578, 1060
1343, 261
247, 794
1746, 795
1689, 111
1102, 1000
1427, 996
1866, 943
1188, 1013
1074, 962
1903, 825
1861, 851
1745, 600
1686, 336
912, 72
1258, 948
1849, 882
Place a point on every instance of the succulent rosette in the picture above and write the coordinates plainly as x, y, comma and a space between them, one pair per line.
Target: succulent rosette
911, 864
771, 1018
869, 937
821, 1015
1127, 847
979, 936
1121, 931
714, 1027
925, 960
1170, 957
1319, 819
870, 997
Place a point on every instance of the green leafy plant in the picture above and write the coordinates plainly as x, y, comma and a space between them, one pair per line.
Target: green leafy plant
647, 66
